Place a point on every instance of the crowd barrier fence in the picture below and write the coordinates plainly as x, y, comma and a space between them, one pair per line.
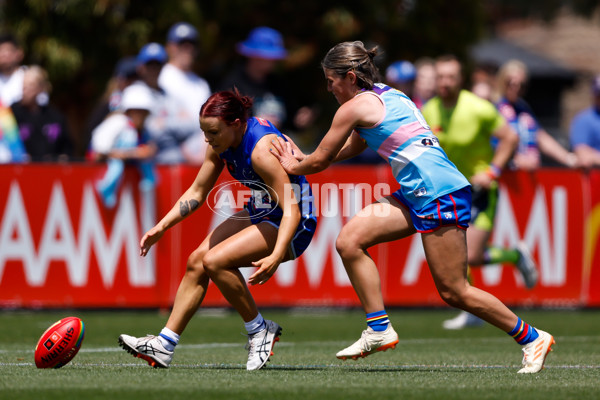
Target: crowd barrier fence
60, 247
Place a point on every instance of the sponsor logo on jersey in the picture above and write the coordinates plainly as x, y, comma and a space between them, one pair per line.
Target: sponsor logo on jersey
263, 121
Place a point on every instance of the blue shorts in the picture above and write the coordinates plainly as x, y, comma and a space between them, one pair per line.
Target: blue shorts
450, 209
304, 232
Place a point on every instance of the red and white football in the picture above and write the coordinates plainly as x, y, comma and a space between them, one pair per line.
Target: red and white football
60, 343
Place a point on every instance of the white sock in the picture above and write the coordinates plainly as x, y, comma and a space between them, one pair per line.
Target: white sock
256, 325
168, 339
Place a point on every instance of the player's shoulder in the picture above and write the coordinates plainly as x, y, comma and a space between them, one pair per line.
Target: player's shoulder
258, 127
261, 156
360, 106
261, 131
265, 142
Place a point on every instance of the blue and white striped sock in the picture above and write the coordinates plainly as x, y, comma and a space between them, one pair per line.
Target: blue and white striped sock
168, 339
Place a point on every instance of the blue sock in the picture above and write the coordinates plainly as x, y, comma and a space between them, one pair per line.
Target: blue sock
168, 338
378, 321
256, 325
524, 333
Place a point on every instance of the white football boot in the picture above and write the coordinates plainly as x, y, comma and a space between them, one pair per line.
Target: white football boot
534, 353
463, 320
526, 266
148, 348
260, 345
370, 341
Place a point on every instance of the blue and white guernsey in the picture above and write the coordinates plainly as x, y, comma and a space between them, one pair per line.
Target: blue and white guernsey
239, 165
403, 138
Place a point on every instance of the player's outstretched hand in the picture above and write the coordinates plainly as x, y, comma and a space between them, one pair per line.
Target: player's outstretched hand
266, 268
284, 153
151, 237
295, 149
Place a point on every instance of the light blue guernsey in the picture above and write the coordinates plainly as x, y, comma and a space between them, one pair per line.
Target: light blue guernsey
403, 138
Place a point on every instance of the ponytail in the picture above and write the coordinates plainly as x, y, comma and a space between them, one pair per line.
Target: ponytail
353, 56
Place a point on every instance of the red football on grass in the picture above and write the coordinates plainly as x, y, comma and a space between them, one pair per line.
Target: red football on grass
60, 343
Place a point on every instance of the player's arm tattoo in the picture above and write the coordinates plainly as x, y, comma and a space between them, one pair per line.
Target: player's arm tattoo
330, 157
185, 207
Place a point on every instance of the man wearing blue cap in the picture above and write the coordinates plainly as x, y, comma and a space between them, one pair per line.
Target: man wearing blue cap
170, 123
585, 131
263, 49
178, 79
177, 76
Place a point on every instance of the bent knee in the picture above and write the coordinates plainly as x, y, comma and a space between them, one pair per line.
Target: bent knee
195, 262
212, 261
453, 295
347, 245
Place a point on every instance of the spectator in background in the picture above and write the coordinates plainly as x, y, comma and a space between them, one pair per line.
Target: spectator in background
263, 49
585, 131
533, 139
401, 75
120, 138
177, 77
483, 81
11, 71
124, 75
42, 128
12, 149
424, 87
169, 123
180, 82
465, 124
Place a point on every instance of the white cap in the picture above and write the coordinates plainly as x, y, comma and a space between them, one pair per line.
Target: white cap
137, 97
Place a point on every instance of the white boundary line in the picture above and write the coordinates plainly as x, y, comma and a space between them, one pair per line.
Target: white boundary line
312, 366
116, 348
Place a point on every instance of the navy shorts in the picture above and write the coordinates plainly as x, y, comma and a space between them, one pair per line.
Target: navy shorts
304, 232
450, 209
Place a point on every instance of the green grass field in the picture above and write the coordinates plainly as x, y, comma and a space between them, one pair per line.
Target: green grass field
429, 363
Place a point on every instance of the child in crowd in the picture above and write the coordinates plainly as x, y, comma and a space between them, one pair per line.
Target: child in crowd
120, 138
